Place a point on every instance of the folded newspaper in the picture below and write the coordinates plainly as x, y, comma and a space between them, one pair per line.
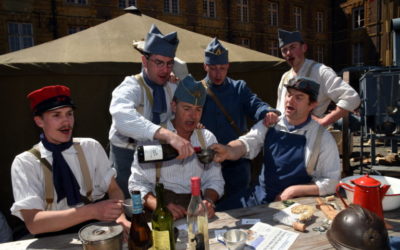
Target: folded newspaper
269, 237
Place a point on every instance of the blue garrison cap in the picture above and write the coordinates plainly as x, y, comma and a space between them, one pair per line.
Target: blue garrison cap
157, 43
191, 91
215, 53
305, 85
286, 37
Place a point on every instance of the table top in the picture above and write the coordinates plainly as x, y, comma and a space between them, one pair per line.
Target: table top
230, 219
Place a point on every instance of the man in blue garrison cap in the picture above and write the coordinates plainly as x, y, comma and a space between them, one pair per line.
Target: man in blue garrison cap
228, 105
141, 102
300, 158
333, 88
187, 105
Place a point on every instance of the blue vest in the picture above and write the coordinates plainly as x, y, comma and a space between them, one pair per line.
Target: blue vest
284, 166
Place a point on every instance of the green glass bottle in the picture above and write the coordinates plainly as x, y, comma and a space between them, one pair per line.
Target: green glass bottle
162, 223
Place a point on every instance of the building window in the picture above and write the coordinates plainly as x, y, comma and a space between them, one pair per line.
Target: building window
358, 54
243, 10
297, 18
74, 29
320, 21
273, 14
245, 42
81, 2
358, 17
126, 3
20, 36
171, 6
209, 8
273, 48
320, 53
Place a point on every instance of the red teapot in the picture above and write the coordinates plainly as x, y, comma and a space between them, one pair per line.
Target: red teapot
368, 193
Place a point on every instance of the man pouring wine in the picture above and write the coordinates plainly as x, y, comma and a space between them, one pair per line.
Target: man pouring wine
175, 174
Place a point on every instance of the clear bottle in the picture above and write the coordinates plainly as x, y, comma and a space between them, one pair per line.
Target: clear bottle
140, 233
197, 219
154, 153
162, 223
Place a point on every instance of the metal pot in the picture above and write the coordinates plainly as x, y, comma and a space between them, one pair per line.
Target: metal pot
101, 236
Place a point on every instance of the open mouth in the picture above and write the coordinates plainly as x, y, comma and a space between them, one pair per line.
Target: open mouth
289, 108
65, 131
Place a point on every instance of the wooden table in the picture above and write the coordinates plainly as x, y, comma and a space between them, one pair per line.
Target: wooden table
224, 220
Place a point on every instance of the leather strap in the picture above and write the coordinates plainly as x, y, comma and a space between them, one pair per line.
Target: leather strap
312, 163
146, 88
221, 107
48, 176
85, 170
201, 139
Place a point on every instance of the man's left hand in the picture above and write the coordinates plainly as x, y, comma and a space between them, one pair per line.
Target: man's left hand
126, 226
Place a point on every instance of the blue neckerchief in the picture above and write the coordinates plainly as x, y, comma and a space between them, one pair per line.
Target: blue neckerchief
64, 180
294, 127
159, 105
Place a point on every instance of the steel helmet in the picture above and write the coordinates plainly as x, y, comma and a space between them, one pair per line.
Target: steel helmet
358, 228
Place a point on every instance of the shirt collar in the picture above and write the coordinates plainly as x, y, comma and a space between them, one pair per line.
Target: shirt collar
44, 153
295, 127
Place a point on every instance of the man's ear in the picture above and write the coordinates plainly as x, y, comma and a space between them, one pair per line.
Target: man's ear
313, 105
144, 61
39, 121
205, 67
304, 47
173, 106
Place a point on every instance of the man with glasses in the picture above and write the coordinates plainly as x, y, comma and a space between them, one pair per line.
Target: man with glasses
142, 102
187, 105
300, 156
228, 104
333, 88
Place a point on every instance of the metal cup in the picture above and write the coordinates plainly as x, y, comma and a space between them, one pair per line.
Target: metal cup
235, 239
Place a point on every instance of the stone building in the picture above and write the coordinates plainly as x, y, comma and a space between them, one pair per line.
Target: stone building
251, 23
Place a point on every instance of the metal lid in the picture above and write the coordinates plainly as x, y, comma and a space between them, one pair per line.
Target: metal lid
366, 181
100, 231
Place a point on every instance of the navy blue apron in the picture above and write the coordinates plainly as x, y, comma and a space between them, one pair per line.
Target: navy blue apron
284, 166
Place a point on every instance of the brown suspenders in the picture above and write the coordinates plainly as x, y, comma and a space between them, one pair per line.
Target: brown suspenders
48, 175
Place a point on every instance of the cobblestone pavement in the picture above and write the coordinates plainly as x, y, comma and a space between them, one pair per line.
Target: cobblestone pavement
383, 149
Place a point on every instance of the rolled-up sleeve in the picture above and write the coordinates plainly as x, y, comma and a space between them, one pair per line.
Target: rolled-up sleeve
339, 91
328, 171
27, 187
254, 139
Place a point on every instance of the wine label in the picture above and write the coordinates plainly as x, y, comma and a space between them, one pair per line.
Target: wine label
161, 240
152, 152
137, 206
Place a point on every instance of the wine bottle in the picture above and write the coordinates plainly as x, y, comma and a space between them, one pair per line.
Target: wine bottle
140, 234
197, 219
153, 153
162, 223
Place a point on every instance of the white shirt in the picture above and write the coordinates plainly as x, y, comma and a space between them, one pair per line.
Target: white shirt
328, 170
176, 174
28, 180
332, 88
127, 122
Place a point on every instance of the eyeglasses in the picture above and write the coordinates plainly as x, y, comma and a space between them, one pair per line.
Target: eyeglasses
161, 64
